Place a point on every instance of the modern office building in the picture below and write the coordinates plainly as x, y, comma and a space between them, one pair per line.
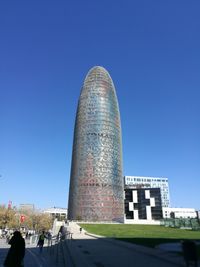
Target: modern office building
143, 204
96, 183
150, 182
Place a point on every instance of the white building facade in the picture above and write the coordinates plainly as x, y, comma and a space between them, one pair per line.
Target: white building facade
59, 213
150, 182
184, 213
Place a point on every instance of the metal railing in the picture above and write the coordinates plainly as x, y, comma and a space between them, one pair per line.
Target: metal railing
60, 237
58, 248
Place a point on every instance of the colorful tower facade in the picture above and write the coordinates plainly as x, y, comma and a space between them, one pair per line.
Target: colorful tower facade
96, 183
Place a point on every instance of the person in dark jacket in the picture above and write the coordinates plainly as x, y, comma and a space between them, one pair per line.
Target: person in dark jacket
41, 241
190, 252
16, 252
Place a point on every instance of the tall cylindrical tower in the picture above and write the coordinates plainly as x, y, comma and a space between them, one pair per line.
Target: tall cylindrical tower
96, 182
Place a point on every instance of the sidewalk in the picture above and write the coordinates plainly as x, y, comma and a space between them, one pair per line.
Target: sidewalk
32, 256
88, 250
3, 251
96, 251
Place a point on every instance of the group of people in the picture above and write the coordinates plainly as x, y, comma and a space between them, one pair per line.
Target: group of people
16, 253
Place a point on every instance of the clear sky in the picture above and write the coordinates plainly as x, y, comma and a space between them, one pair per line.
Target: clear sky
151, 50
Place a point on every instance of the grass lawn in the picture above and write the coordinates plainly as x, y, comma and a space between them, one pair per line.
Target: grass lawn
147, 235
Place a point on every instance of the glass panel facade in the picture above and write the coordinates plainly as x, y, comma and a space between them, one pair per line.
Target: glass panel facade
151, 182
96, 182
142, 203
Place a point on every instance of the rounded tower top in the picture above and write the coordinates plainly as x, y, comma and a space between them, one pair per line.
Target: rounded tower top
98, 69
98, 73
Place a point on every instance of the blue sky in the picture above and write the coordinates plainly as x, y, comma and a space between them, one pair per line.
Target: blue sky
152, 52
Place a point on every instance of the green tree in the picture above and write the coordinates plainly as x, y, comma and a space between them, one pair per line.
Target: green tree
10, 218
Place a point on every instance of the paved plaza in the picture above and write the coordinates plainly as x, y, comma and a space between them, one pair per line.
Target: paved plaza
32, 257
94, 251
85, 250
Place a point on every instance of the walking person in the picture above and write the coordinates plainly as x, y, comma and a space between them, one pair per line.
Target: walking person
49, 236
16, 252
40, 243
